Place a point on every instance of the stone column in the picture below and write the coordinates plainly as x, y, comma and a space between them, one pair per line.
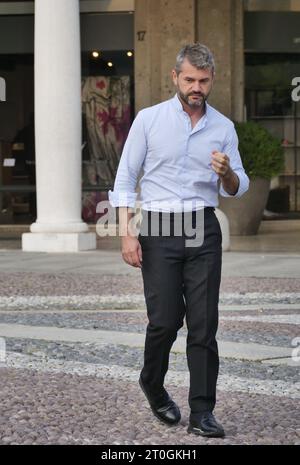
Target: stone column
220, 27
59, 226
147, 53
162, 27
177, 30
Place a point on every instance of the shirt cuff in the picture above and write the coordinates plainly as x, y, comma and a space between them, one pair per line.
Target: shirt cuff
122, 199
243, 186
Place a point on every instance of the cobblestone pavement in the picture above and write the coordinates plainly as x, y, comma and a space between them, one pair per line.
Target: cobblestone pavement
62, 392
110, 284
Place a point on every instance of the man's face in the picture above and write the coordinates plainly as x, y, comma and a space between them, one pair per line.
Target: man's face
193, 85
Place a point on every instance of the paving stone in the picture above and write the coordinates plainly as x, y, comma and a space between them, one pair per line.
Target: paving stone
43, 283
255, 415
55, 395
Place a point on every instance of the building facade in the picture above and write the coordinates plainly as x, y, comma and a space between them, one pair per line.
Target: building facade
76, 72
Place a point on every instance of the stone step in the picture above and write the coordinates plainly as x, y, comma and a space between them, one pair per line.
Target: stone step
267, 226
227, 349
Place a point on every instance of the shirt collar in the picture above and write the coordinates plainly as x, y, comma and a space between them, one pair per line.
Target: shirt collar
178, 105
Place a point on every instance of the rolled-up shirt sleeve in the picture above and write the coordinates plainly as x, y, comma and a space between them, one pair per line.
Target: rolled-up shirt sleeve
231, 149
131, 161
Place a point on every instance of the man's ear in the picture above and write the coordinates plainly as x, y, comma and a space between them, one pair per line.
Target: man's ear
174, 76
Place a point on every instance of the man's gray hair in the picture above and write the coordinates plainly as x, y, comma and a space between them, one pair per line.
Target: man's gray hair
198, 55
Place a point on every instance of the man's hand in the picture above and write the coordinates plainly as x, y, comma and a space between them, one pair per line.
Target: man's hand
220, 163
132, 251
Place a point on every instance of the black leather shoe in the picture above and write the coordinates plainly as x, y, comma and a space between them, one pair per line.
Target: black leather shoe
163, 407
205, 424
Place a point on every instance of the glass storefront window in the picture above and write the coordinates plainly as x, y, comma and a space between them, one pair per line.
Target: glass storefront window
107, 60
107, 102
17, 148
107, 112
268, 83
272, 60
268, 101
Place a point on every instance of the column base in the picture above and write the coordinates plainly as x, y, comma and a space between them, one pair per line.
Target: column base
58, 242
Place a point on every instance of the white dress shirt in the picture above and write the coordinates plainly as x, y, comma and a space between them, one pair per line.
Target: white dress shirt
176, 159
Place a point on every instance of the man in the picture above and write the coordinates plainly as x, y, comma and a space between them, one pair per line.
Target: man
189, 154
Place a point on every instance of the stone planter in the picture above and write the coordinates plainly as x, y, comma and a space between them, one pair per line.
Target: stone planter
245, 213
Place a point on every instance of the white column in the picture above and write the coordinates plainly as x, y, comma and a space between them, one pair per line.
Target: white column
59, 226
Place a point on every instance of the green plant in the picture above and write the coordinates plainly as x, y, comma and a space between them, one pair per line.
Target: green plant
261, 153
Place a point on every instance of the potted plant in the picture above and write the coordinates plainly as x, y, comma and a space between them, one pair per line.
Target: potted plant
263, 158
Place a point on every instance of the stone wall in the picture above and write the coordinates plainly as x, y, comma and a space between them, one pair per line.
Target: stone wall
162, 27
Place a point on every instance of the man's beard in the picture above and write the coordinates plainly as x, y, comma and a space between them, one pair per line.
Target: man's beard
196, 103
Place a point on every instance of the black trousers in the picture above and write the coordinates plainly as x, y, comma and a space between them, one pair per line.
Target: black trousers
182, 281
